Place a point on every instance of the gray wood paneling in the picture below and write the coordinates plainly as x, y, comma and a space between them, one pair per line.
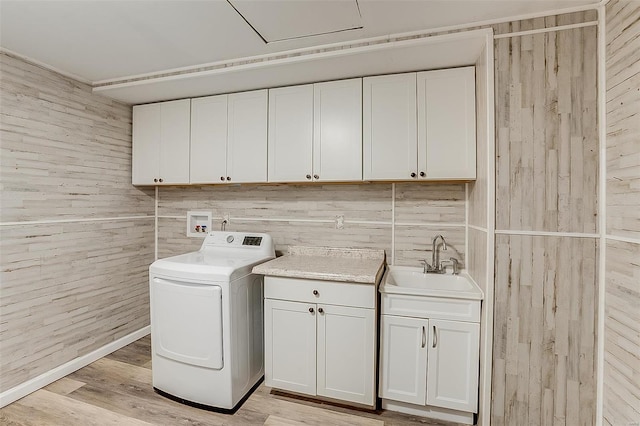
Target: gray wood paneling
69, 288
429, 203
546, 180
622, 334
173, 240
366, 209
65, 153
544, 336
623, 119
622, 272
478, 189
356, 202
477, 263
547, 141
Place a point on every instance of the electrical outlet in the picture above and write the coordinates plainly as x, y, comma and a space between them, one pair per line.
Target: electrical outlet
340, 221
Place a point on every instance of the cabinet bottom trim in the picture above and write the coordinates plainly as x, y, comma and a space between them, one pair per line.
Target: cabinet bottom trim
316, 398
428, 411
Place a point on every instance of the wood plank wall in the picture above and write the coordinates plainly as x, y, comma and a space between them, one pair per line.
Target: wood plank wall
76, 237
305, 215
544, 348
622, 270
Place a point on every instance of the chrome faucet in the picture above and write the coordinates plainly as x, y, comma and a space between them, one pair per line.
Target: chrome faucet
435, 267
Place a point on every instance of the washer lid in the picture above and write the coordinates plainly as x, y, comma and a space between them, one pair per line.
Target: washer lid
209, 265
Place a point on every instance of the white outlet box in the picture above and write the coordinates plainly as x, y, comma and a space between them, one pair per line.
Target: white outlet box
198, 224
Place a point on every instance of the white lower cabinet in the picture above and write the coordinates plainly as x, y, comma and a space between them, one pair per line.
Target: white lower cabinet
403, 359
453, 364
290, 346
314, 345
430, 361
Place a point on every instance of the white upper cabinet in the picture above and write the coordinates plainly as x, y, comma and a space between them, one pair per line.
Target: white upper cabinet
411, 126
290, 134
337, 130
247, 137
389, 127
437, 143
229, 138
209, 139
315, 132
161, 143
447, 124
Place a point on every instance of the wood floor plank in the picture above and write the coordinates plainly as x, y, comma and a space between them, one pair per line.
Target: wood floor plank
118, 389
279, 421
64, 386
48, 408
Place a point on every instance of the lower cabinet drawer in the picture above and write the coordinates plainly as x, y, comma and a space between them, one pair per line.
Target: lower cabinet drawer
431, 307
316, 291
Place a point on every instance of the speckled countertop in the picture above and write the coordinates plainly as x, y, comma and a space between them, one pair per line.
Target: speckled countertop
328, 264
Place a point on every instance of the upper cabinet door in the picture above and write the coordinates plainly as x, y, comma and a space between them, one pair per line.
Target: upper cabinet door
209, 139
337, 140
290, 134
447, 124
175, 124
161, 134
389, 127
453, 366
146, 144
247, 142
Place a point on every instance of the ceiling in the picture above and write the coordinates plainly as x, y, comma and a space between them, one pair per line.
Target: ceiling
101, 41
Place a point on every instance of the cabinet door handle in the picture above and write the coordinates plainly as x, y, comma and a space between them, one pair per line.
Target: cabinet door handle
315, 292
222, 178
308, 176
160, 179
155, 179
311, 310
422, 174
413, 174
435, 337
316, 177
228, 177
320, 311
424, 337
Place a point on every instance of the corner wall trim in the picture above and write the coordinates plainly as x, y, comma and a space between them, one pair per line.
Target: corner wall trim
24, 389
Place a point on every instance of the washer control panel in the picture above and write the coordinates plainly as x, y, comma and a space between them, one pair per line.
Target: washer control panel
238, 240
251, 241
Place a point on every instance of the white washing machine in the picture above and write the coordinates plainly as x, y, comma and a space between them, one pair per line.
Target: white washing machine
206, 321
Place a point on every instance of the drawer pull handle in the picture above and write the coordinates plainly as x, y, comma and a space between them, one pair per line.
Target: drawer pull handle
315, 292
435, 336
311, 310
424, 336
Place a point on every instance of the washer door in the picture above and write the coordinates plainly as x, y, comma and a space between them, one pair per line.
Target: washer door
186, 322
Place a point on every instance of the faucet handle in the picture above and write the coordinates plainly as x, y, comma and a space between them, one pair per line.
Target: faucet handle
454, 265
425, 265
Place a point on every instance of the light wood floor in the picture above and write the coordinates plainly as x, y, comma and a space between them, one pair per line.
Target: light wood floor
116, 390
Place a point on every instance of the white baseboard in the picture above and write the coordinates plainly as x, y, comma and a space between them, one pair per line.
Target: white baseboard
24, 389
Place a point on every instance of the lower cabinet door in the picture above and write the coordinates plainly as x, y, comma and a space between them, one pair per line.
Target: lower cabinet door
290, 346
403, 358
346, 353
453, 365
